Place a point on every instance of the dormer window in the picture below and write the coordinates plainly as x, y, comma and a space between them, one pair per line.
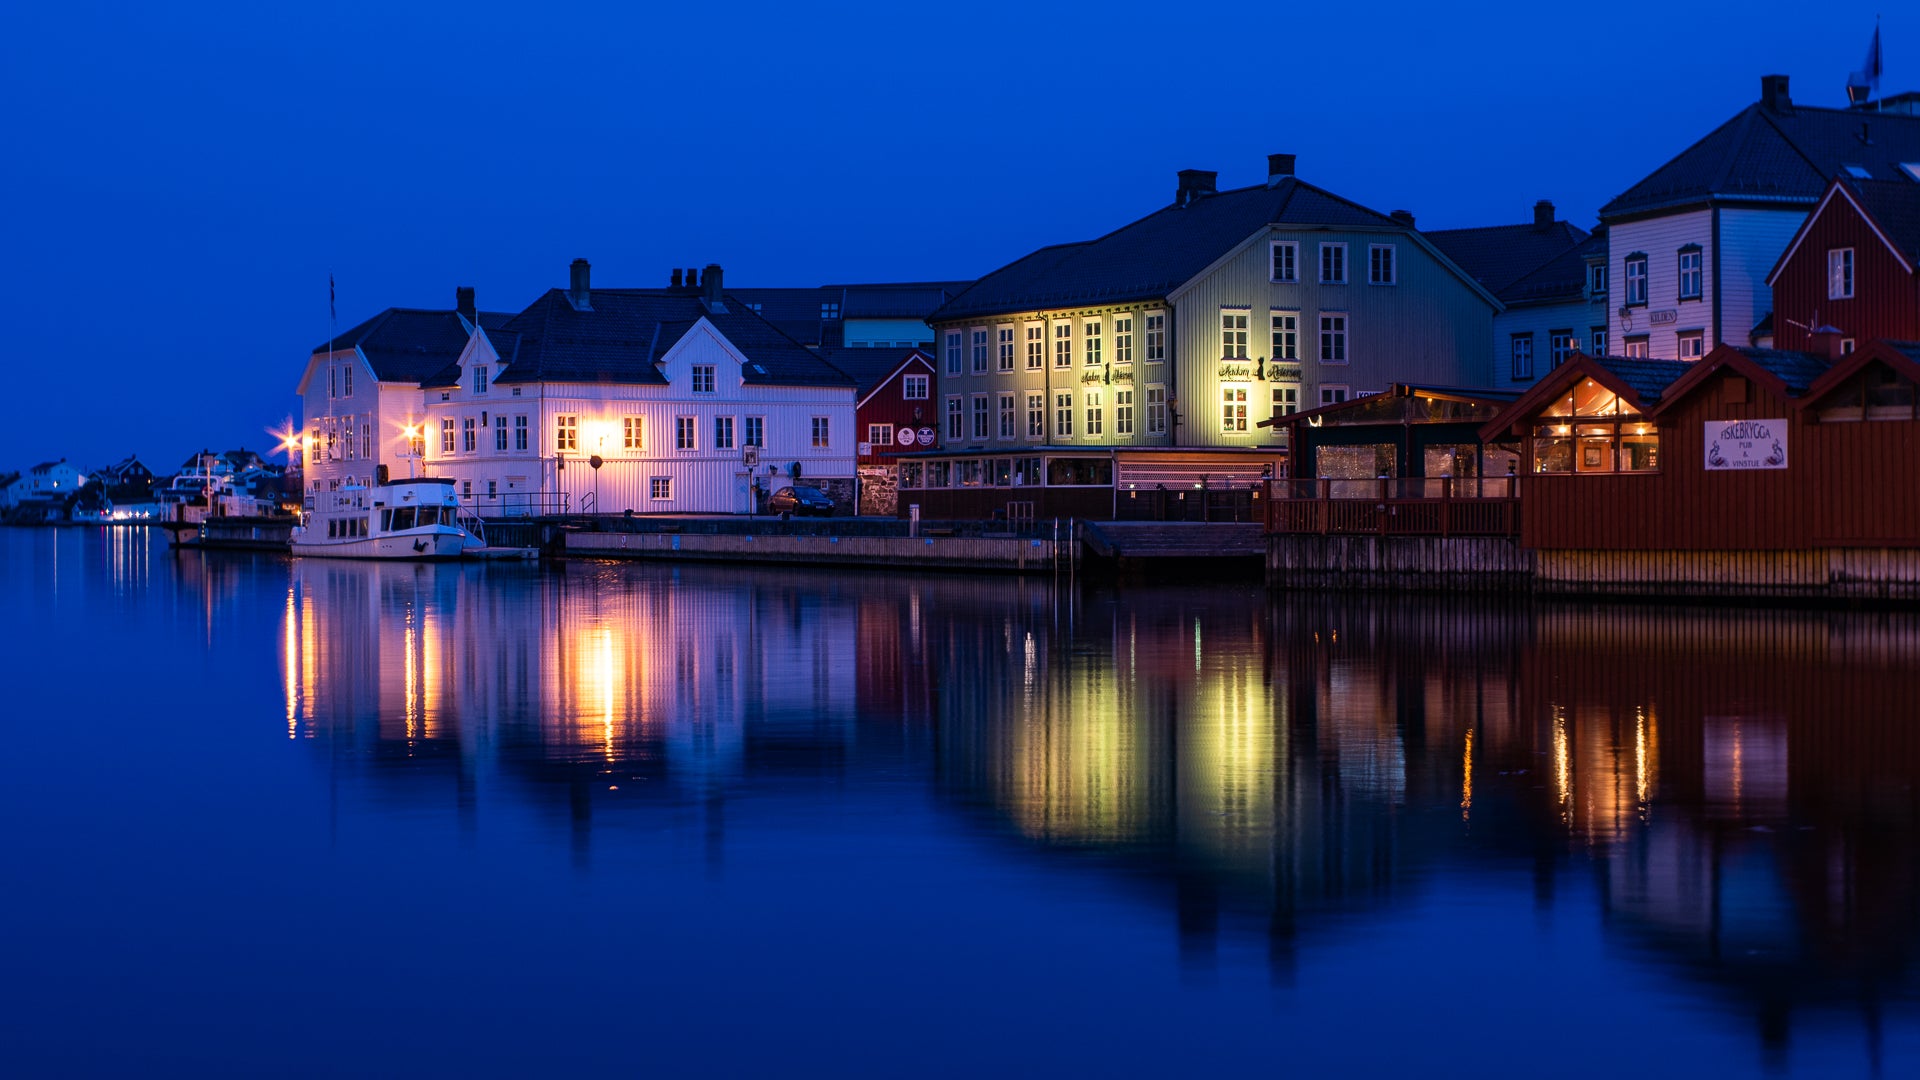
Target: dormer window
480, 379
703, 378
830, 310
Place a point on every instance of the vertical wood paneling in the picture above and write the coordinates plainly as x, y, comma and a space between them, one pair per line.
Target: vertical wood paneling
1885, 303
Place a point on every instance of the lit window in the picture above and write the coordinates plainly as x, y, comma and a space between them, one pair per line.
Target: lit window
632, 430
1063, 345
1091, 334
1095, 419
1233, 409
822, 433
1005, 335
1123, 341
1123, 412
446, 436
1063, 415
1036, 346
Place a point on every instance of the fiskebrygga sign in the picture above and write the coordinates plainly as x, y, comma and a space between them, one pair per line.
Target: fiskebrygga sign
1746, 444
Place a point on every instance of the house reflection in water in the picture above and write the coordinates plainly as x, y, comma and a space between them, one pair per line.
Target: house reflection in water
1738, 786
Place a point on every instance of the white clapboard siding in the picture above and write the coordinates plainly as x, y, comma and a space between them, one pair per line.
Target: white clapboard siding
1750, 243
1660, 240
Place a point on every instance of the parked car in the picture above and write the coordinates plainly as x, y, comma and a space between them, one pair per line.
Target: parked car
800, 500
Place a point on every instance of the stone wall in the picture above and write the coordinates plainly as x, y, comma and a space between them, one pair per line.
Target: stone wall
879, 490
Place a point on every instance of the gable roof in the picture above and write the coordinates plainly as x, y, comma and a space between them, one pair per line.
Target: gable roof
1511, 260
873, 368
799, 312
1902, 356
409, 344
627, 331
1786, 373
1151, 257
1643, 383
1891, 208
1782, 155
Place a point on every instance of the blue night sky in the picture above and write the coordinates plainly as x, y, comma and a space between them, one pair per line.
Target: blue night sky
180, 179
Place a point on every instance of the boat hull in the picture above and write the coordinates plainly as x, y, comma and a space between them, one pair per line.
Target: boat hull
418, 544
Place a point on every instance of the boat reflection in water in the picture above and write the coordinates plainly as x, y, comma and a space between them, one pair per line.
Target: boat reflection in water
1737, 788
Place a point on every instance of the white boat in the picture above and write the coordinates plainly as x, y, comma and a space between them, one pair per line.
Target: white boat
403, 519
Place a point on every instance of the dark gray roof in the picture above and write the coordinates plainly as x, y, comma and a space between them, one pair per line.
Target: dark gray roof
409, 344
1895, 206
1647, 378
1512, 261
1157, 254
629, 330
1796, 369
869, 367
1784, 155
798, 312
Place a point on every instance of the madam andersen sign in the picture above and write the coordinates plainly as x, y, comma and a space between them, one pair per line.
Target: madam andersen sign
1746, 444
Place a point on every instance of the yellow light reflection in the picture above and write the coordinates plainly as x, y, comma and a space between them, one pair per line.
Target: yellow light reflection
1466, 778
1562, 760
289, 657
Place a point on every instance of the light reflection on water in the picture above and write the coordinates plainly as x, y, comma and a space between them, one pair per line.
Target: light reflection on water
1723, 799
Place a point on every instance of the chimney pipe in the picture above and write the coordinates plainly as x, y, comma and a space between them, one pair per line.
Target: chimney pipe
1279, 167
1773, 94
1194, 183
674, 281
710, 281
463, 303
579, 290
1404, 217
693, 278
1543, 215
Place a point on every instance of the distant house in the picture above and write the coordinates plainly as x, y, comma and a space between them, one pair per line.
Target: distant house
1551, 277
126, 471
1690, 246
880, 315
360, 392
645, 400
1853, 268
44, 490
893, 415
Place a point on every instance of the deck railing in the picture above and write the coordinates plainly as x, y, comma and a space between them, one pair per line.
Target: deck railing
1387, 506
516, 504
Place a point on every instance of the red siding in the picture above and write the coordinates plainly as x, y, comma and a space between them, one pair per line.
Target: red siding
888, 405
1846, 485
1886, 299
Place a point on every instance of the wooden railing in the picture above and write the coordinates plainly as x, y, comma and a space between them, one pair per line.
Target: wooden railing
1394, 507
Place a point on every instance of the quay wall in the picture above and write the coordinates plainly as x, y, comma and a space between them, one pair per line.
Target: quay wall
998, 553
1421, 563
1453, 564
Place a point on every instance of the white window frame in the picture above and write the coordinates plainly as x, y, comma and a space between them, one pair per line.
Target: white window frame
1036, 415
1333, 252
1036, 346
1286, 335
1597, 338
1009, 415
1233, 409
1063, 344
469, 442
1344, 335
956, 346
1636, 294
660, 488
981, 350
1286, 400
753, 431
1093, 343
1123, 412
1123, 339
633, 433
566, 432
981, 424
914, 387
1841, 274
880, 434
1235, 328
1697, 272
686, 434
704, 379
1283, 262
520, 431
480, 378
729, 424
1156, 408
956, 414
822, 430
1393, 264
1695, 338
1063, 414
1561, 345
1520, 355
1005, 349
1096, 415
1335, 393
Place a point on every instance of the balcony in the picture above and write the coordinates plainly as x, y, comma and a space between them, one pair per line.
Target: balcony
1386, 506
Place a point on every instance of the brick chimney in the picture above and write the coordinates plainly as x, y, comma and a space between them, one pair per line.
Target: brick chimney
673, 282
1543, 215
1773, 94
1195, 183
579, 291
1279, 167
710, 282
1404, 217
463, 303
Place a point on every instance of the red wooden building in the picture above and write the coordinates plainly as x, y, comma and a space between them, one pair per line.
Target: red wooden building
1752, 471
1852, 267
893, 415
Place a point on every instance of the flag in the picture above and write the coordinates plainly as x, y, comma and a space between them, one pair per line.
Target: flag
1867, 79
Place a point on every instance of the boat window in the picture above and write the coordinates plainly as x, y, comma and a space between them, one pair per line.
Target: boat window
386, 521
332, 527
403, 518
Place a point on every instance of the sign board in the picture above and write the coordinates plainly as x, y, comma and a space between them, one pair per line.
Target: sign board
1746, 444
927, 435
866, 449
1662, 318
904, 436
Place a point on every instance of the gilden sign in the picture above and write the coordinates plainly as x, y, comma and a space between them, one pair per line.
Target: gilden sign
1746, 444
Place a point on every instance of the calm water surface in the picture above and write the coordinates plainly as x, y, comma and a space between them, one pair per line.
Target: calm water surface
299, 818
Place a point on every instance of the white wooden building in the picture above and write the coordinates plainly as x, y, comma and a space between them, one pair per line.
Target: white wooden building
1690, 246
642, 400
